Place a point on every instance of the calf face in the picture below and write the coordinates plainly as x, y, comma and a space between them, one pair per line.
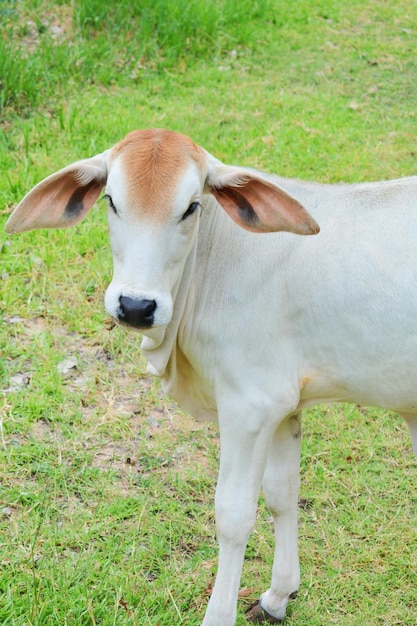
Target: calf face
154, 190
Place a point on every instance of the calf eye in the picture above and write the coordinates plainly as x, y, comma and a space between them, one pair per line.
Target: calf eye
191, 209
110, 202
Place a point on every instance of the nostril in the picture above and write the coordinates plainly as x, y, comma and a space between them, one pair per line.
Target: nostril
139, 313
149, 307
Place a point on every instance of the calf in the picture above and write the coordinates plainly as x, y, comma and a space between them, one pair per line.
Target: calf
250, 329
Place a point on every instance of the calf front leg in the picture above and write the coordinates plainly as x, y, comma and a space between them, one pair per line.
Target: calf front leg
281, 485
244, 445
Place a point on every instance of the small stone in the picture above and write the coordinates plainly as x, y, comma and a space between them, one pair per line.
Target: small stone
65, 366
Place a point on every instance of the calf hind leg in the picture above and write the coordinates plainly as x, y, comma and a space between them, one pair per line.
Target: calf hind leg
281, 484
411, 419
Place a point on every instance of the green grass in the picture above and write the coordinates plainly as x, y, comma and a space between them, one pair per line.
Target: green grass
106, 488
44, 45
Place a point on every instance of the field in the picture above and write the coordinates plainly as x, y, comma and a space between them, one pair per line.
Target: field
107, 487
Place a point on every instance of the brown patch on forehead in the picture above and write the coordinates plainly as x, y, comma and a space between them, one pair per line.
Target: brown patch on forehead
153, 161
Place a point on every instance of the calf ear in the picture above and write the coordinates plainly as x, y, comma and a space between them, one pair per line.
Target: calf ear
63, 199
258, 204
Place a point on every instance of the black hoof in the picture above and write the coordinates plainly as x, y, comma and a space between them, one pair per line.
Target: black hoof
257, 615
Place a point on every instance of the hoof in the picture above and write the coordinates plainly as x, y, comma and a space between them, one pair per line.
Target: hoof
257, 615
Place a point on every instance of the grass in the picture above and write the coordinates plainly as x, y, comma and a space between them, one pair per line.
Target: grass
106, 43
106, 499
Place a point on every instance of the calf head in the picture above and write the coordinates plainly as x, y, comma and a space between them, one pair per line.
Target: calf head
154, 183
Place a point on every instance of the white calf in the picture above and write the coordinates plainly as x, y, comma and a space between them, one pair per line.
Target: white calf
249, 329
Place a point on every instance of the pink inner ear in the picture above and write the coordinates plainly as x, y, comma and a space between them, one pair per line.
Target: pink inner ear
261, 207
238, 207
80, 201
58, 201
